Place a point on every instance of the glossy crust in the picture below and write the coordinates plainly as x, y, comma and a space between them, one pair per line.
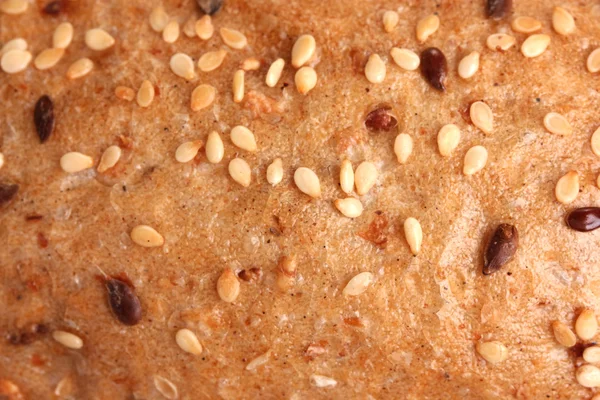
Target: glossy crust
412, 333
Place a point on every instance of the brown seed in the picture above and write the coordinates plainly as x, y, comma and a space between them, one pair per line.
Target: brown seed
501, 248
585, 219
123, 302
228, 286
497, 9
7, 192
53, 8
434, 68
381, 119
43, 117
250, 275
586, 325
210, 7
125, 93
563, 334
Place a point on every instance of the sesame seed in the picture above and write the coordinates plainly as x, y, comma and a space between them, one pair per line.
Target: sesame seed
165, 387
305, 79
586, 325
214, 148
125, 93
188, 342
189, 28
500, 42
182, 65
405, 59
228, 286
274, 73
493, 352
321, 381
526, 25
563, 334
203, 96
98, 39
562, 21
275, 172
240, 171
68, 339
14, 7
390, 20
232, 38
475, 160
258, 361
238, 86
349, 207
158, 19
592, 354
375, 69
250, 64
80, 68
146, 236
187, 151
1, 160
63, 36
365, 177
593, 61
211, 60
14, 44
48, 58
413, 234
427, 27
74, 162
588, 376
595, 142
403, 147
303, 50
308, 182
145, 94
286, 272
204, 27
14, 61
469, 65
482, 116
243, 138
448, 139
535, 45
171, 32
557, 124
347, 176
109, 158
358, 284
567, 187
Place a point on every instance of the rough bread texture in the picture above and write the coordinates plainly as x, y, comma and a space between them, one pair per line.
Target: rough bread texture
412, 333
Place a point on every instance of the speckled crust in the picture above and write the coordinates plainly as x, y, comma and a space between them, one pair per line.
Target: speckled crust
412, 334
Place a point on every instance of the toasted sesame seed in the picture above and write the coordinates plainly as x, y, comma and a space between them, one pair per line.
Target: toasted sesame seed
204, 27
165, 387
275, 172
211, 60
274, 73
109, 158
187, 151
171, 32
286, 272
586, 325
375, 69
238, 86
63, 36
563, 334
14, 7
321, 381
67, 339
125, 93
1, 160
427, 27
188, 342
592, 354
243, 138
365, 177
403, 147
305, 79
475, 160
80, 68
588, 376
232, 38
214, 148
347, 176
562, 21
189, 28
535, 45
228, 286
203, 96
14, 44
158, 19
469, 65
145, 94
146, 236
182, 65
593, 61
240, 171
526, 25
48, 58
448, 139
308, 182
500, 42
482, 116
557, 124
303, 50
390, 20
567, 187
493, 352
258, 361
98, 39
250, 64
74, 162
413, 234
595, 142
358, 284
14, 61
349, 207
405, 59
